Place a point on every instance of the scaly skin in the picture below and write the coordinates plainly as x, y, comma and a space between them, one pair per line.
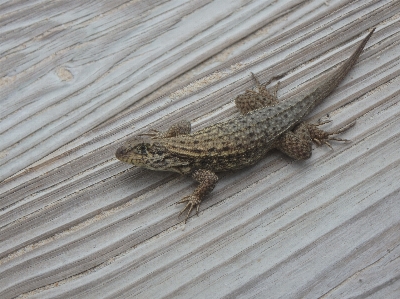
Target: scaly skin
265, 123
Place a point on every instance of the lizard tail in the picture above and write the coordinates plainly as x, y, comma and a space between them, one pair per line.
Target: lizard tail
330, 83
345, 68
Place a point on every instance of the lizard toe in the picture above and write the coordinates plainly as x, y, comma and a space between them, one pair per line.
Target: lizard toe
192, 201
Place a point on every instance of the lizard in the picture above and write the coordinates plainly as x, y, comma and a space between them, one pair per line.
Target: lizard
264, 124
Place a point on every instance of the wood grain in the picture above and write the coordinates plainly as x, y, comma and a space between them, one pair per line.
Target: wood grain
78, 78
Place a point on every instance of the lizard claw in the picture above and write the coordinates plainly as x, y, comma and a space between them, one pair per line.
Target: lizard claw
323, 122
325, 140
192, 201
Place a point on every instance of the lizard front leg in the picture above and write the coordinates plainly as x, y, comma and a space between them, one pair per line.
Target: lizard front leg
180, 128
207, 180
298, 143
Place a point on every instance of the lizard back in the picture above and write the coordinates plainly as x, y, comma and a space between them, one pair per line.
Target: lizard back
254, 133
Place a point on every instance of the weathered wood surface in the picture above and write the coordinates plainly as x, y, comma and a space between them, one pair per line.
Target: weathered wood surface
77, 78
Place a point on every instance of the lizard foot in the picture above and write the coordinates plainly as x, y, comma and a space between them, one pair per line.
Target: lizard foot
321, 137
192, 201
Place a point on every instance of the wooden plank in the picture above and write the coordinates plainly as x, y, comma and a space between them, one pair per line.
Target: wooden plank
79, 78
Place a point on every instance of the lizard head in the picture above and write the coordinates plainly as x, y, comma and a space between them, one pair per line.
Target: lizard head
150, 154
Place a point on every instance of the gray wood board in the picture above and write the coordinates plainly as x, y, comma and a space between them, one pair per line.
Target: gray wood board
78, 78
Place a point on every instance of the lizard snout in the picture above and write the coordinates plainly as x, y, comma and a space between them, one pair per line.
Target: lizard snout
120, 153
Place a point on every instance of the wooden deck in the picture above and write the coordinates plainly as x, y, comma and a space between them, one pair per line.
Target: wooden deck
79, 77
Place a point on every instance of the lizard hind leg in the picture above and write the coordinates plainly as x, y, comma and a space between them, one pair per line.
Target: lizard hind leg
298, 143
252, 100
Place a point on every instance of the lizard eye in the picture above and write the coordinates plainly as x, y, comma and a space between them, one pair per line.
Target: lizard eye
142, 149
